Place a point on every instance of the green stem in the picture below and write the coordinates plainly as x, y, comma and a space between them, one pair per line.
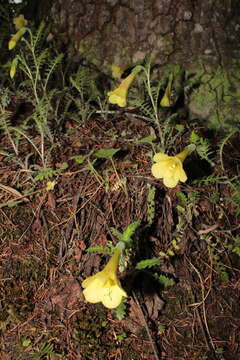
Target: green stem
154, 105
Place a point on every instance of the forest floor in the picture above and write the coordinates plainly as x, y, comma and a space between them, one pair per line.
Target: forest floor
44, 239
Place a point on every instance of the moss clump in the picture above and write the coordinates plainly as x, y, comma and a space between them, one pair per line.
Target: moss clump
217, 98
92, 334
22, 277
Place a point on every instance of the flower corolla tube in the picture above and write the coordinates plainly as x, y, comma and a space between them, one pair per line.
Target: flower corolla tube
15, 38
105, 286
166, 99
20, 22
119, 95
13, 67
170, 168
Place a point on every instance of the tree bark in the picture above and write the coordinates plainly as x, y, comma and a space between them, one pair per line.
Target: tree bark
201, 35
120, 31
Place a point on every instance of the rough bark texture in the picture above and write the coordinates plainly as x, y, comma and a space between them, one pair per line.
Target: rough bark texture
110, 31
203, 35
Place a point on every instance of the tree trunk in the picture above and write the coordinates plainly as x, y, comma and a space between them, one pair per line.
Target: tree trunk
120, 31
202, 35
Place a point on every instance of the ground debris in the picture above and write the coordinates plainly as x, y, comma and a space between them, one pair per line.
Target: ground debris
43, 257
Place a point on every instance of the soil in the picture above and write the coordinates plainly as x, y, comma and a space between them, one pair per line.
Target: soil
45, 236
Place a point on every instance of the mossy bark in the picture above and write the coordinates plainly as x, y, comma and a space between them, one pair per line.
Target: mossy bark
201, 35
120, 31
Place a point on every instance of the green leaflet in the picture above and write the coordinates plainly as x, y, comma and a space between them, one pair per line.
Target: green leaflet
105, 153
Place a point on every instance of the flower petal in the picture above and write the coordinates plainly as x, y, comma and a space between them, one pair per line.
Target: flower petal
170, 182
94, 291
104, 286
114, 297
101, 276
19, 22
170, 171
182, 175
119, 99
159, 157
170, 168
157, 171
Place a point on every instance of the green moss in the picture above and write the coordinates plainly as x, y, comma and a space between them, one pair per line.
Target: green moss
92, 334
217, 99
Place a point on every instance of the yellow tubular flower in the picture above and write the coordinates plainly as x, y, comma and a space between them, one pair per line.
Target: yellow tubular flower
119, 95
13, 71
20, 22
170, 168
166, 99
13, 67
104, 286
15, 38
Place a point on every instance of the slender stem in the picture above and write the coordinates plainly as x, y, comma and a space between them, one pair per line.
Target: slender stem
42, 149
222, 146
31, 142
154, 105
96, 174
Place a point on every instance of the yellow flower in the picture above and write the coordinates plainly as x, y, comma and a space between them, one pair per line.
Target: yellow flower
20, 22
13, 71
16, 37
104, 286
119, 95
170, 168
166, 99
51, 185
117, 71
13, 67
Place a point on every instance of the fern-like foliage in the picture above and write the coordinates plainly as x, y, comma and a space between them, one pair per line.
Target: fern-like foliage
156, 86
37, 61
50, 68
45, 174
84, 95
148, 105
128, 233
41, 116
151, 204
116, 233
164, 280
49, 173
202, 146
108, 249
5, 122
148, 263
145, 108
83, 81
37, 64
120, 311
236, 246
38, 38
235, 194
219, 266
47, 349
211, 179
4, 102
